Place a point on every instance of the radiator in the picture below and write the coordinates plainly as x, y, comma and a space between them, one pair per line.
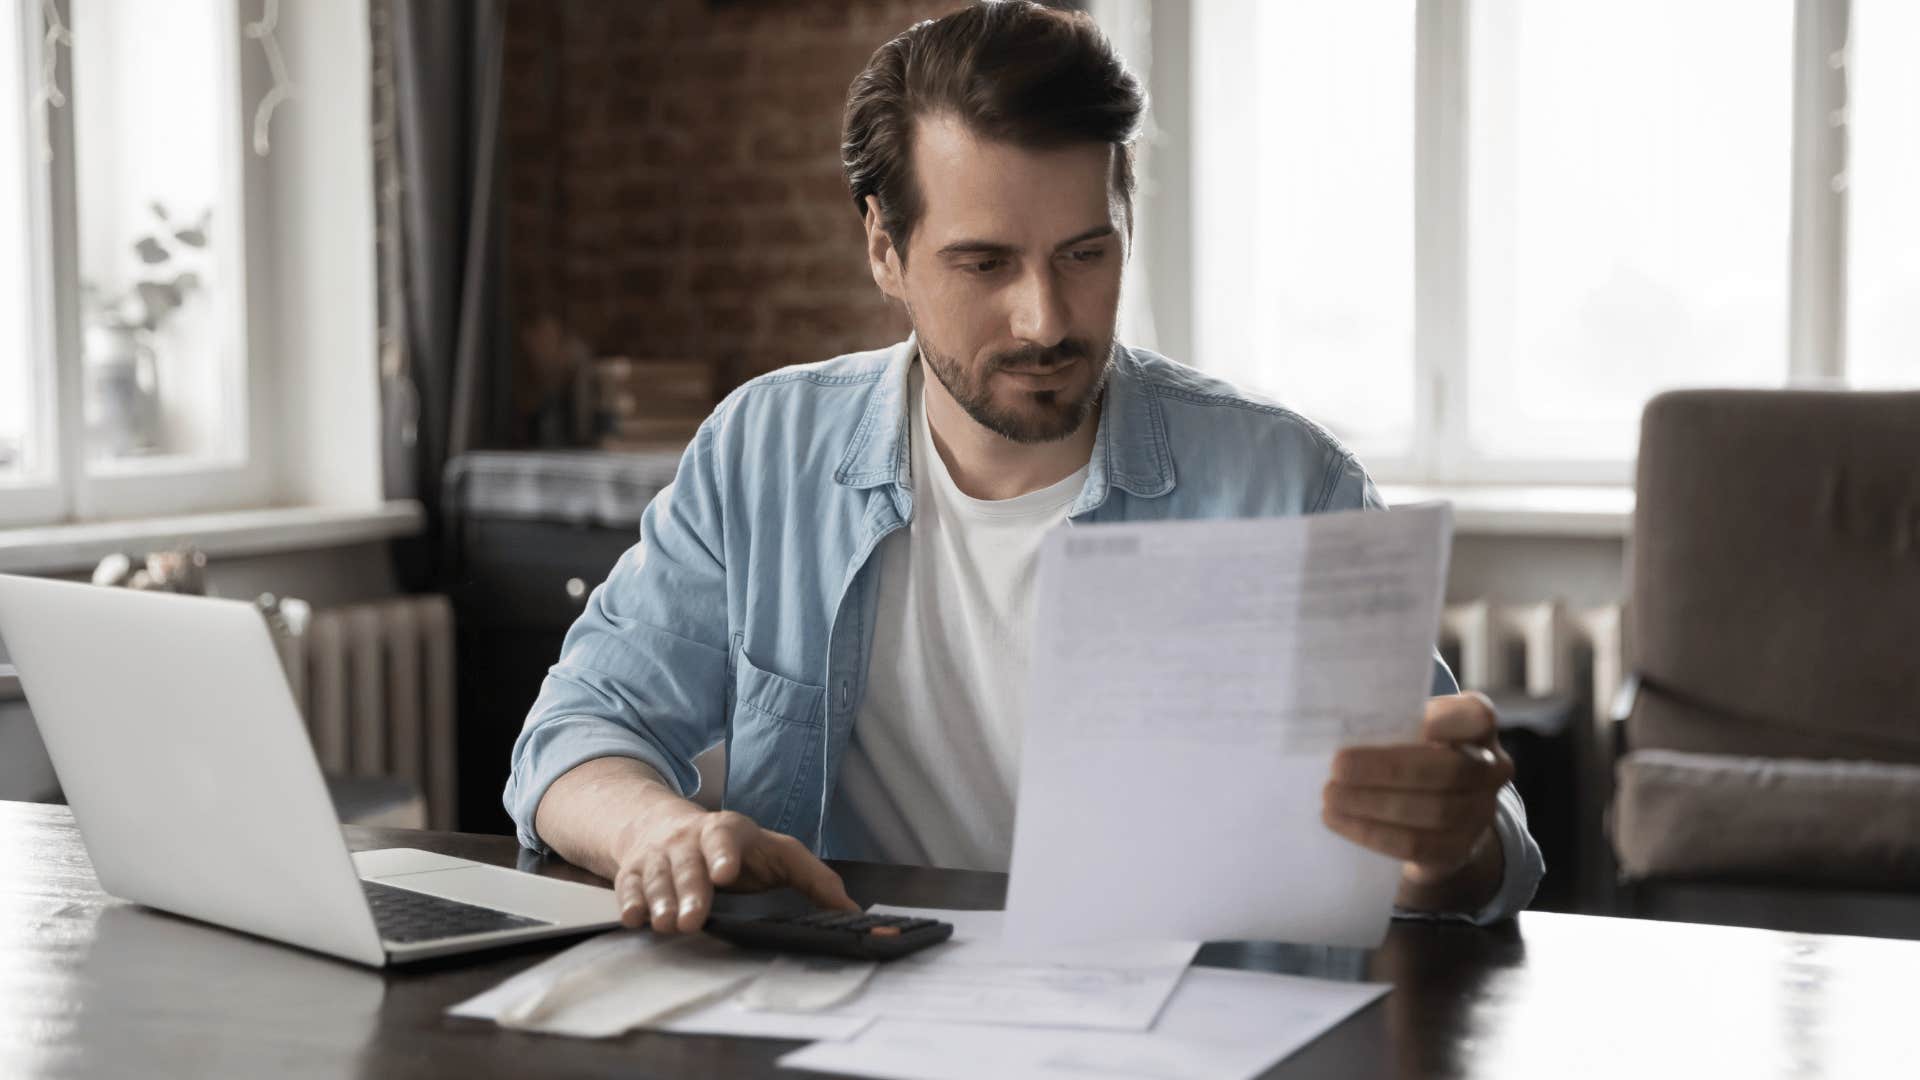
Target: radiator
1536, 647
375, 684
1539, 648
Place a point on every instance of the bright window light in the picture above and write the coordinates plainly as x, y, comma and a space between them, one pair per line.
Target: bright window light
155, 146
1303, 209
1883, 242
1629, 214
20, 443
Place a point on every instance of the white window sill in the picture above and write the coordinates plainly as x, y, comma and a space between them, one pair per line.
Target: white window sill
1569, 512
54, 549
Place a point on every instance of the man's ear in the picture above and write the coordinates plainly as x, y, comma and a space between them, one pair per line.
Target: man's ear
882, 257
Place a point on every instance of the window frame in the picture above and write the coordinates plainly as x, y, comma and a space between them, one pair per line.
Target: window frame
40, 496
1441, 451
1815, 265
73, 490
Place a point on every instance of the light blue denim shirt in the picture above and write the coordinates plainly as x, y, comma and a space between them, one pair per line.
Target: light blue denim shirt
745, 613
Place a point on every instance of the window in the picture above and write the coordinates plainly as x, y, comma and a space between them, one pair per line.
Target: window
1883, 192
1624, 234
1305, 290
1473, 238
127, 387
156, 162
23, 439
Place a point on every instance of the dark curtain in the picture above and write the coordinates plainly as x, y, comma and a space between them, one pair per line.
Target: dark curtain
445, 385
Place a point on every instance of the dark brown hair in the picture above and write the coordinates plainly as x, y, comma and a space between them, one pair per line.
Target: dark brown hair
1009, 70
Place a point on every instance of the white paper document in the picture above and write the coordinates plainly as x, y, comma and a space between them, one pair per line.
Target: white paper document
1220, 1025
631, 979
976, 979
1190, 683
807, 983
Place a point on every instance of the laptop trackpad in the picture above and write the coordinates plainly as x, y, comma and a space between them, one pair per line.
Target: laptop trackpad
388, 862
514, 892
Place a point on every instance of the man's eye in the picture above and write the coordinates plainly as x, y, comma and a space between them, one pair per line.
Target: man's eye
985, 266
1087, 255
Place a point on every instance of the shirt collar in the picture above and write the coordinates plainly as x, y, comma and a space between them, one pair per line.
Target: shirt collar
1129, 448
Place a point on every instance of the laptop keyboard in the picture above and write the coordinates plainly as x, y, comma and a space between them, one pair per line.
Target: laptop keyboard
405, 916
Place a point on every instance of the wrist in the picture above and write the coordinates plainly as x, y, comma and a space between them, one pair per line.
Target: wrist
655, 810
1464, 888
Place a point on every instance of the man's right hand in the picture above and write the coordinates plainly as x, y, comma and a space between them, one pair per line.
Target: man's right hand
664, 854
671, 861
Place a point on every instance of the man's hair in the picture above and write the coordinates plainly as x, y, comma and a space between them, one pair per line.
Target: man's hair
1011, 71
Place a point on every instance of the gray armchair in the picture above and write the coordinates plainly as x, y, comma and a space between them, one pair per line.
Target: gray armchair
1771, 773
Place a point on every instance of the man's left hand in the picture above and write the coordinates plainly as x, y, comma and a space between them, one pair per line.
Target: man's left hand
1430, 803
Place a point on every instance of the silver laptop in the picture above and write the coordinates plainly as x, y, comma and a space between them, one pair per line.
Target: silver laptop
185, 761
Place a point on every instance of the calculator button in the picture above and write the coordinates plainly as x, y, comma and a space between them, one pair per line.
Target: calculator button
885, 931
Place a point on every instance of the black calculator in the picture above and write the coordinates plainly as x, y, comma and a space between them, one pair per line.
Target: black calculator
854, 934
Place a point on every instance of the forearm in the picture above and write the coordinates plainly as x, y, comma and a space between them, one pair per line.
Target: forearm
1467, 889
591, 811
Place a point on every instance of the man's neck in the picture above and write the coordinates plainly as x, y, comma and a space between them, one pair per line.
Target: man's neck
987, 465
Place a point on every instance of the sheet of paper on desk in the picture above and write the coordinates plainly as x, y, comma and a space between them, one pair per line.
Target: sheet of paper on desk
1220, 1025
632, 979
975, 979
1190, 683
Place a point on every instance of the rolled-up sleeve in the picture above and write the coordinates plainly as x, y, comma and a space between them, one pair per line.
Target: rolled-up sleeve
1524, 864
642, 671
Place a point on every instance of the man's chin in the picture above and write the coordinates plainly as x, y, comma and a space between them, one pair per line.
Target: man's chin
1024, 419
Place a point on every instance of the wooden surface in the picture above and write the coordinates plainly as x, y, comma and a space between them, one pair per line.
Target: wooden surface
91, 986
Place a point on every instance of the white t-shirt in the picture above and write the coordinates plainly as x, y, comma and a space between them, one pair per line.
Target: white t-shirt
933, 765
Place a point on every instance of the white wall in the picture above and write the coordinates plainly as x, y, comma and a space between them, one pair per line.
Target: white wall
1585, 573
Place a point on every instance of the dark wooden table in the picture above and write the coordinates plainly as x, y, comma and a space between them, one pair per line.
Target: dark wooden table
91, 986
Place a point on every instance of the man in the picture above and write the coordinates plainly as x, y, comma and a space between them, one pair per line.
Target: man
838, 582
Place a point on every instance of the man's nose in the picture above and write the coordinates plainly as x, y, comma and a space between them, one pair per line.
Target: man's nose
1040, 309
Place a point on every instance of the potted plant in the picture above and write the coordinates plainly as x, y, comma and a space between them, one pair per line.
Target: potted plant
122, 404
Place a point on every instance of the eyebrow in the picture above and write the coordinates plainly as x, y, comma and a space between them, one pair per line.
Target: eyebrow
989, 247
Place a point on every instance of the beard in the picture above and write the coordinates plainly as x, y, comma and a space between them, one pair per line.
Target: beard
1035, 416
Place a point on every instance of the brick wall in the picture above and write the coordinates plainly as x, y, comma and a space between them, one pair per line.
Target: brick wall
673, 178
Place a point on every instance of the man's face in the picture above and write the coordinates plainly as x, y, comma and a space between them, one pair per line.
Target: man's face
1013, 279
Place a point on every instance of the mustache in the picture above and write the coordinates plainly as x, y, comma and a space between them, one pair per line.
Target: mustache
1034, 356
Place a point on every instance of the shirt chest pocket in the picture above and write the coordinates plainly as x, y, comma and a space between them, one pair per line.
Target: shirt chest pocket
774, 744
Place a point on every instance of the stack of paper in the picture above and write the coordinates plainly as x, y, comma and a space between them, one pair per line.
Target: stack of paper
1220, 1025
631, 979
971, 1007
976, 979
1121, 1010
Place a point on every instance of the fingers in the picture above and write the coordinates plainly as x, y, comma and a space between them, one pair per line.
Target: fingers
1436, 811
827, 890
670, 885
632, 898
691, 885
656, 882
811, 877
1460, 718
1427, 767
722, 841
1445, 849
